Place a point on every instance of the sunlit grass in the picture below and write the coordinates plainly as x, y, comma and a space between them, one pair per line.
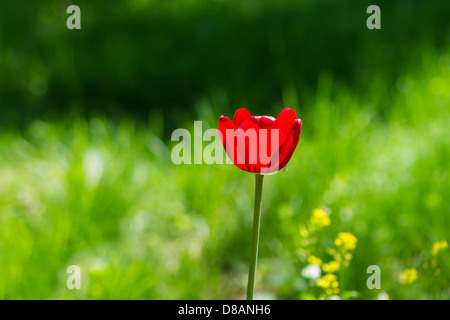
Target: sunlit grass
106, 197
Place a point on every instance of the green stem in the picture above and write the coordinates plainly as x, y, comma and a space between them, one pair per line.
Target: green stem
255, 239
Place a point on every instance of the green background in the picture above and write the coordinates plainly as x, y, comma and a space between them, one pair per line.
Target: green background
86, 116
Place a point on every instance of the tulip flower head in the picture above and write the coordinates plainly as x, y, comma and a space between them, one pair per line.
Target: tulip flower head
260, 144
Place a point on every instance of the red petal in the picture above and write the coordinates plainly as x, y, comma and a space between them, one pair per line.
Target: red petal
286, 119
224, 124
240, 116
245, 149
290, 143
250, 152
229, 142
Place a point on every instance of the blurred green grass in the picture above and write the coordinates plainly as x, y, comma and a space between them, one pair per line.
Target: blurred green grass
104, 195
136, 57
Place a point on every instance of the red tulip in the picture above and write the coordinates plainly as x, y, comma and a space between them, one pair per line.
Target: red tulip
260, 144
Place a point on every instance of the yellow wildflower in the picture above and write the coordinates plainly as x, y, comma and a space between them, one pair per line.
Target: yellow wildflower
303, 232
331, 266
319, 218
330, 277
314, 260
408, 276
322, 283
438, 246
326, 281
346, 240
331, 251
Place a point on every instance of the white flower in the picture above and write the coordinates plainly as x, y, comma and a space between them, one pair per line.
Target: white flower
383, 296
311, 271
